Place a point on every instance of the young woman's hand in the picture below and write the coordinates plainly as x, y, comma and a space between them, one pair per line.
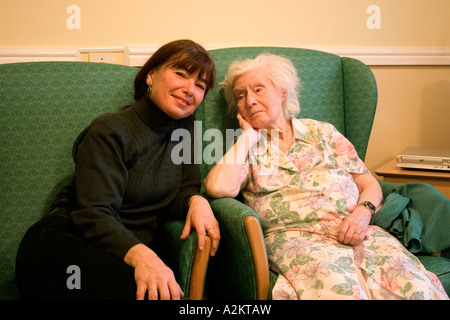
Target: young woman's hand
202, 219
152, 275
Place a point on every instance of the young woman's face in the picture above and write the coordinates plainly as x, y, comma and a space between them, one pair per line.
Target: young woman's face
176, 92
258, 100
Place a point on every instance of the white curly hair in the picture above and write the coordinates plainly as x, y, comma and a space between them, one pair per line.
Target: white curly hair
279, 70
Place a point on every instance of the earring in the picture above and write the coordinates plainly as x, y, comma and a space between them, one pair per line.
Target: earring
149, 89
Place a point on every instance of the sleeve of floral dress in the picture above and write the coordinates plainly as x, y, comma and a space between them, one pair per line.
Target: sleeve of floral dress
345, 153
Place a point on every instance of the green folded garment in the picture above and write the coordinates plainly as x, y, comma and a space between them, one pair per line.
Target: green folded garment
418, 215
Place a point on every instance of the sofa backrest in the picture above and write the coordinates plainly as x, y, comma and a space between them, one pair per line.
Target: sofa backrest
43, 108
338, 90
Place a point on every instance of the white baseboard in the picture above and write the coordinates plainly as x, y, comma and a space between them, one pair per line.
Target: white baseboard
11, 55
394, 56
137, 55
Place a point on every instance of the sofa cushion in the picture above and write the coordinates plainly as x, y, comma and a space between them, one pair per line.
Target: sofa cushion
440, 266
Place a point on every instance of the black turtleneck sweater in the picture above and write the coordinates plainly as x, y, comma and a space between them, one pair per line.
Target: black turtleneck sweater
125, 178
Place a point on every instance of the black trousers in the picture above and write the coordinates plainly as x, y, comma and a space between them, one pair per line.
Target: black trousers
54, 263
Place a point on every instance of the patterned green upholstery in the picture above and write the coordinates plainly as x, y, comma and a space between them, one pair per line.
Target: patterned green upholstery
43, 107
338, 90
440, 266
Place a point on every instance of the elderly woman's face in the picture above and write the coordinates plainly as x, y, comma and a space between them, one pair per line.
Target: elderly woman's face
258, 100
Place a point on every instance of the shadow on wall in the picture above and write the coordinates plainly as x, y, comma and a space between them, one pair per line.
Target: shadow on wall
436, 115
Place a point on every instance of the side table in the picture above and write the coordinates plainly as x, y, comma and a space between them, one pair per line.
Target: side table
439, 179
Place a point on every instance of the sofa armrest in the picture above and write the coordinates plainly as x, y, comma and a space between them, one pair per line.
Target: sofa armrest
259, 256
188, 263
387, 187
199, 269
240, 269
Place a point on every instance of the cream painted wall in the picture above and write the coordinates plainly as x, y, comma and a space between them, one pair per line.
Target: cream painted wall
414, 101
404, 23
413, 110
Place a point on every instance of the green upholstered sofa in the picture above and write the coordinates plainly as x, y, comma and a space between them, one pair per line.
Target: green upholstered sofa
43, 107
341, 91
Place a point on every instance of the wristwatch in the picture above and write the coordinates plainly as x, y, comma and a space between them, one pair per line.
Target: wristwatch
369, 205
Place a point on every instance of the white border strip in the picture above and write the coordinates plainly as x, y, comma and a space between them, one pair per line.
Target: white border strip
137, 56
101, 49
11, 55
395, 56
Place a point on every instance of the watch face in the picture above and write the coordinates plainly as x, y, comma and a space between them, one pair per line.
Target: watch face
370, 205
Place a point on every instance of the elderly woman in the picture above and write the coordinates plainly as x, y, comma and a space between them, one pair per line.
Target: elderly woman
313, 195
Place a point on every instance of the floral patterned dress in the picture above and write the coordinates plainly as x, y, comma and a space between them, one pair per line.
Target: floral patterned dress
301, 198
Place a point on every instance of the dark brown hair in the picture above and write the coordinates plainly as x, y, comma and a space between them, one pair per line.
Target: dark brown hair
180, 54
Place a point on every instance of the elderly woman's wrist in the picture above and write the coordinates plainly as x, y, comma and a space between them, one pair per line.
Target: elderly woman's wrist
367, 207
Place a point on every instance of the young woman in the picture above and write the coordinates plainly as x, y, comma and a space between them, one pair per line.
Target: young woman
125, 181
